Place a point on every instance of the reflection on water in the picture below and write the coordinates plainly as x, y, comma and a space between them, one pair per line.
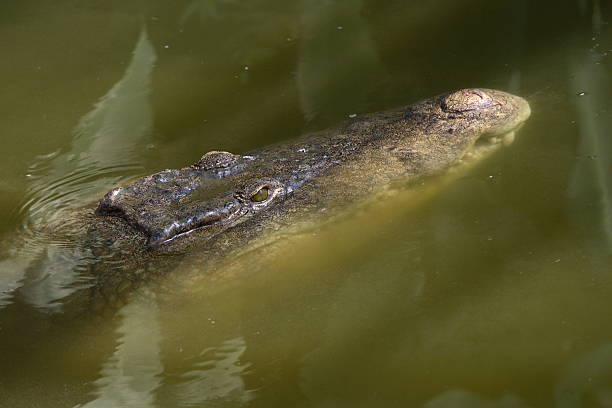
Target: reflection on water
464, 399
216, 377
55, 274
107, 146
10, 279
590, 188
132, 374
493, 292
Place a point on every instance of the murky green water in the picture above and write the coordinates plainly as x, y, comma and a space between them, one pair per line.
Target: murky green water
494, 292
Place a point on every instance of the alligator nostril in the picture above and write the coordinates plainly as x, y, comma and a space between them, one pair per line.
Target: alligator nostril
466, 100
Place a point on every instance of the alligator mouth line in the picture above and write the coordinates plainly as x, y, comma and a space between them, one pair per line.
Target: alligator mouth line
488, 141
487, 144
214, 221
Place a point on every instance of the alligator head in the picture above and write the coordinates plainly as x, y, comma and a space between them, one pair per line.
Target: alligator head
223, 190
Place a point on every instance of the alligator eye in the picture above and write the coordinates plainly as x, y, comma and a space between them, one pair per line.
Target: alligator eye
261, 195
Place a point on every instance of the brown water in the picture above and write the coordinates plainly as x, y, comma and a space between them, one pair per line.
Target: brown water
494, 291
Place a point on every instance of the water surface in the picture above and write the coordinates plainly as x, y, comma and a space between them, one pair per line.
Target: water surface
489, 291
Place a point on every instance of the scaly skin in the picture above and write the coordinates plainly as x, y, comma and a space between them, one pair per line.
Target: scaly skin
226, 203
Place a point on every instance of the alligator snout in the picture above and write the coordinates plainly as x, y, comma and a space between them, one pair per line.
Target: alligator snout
212, 218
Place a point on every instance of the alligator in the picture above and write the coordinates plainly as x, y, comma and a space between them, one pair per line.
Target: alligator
227, 202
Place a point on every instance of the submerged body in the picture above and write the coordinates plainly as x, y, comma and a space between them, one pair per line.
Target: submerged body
226, 203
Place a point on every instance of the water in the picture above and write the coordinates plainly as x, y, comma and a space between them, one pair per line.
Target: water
491, 291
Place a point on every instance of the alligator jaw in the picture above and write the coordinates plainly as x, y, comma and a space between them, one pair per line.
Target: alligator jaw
212, 220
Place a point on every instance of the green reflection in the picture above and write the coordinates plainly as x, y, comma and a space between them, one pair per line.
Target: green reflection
107, 145
131, 375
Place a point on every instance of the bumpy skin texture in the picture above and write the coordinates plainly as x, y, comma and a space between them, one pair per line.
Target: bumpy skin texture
225, 201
